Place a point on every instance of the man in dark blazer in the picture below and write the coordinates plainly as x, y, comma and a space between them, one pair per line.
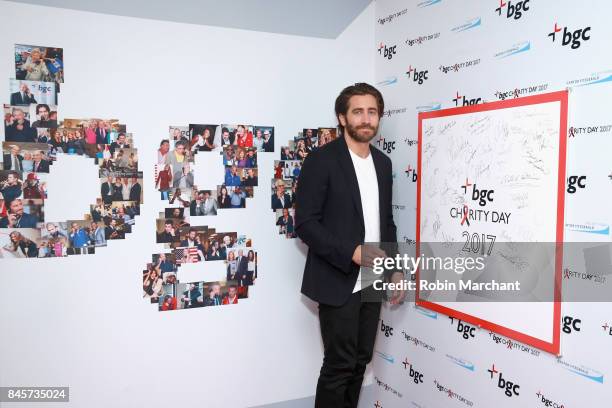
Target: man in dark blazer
40, 165
242, 266
343, 200
23, 97
135, 190
280, 199
13, 160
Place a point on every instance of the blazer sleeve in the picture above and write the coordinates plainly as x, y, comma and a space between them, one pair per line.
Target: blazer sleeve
311, 196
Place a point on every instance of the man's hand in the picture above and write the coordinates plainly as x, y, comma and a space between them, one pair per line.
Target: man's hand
399, 295
364, 255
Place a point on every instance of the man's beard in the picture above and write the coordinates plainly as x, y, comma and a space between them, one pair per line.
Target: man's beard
353, 132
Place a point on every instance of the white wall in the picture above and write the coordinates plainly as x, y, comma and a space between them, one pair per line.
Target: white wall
81, 321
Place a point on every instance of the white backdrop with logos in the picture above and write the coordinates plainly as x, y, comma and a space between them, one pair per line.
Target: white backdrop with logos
437, 54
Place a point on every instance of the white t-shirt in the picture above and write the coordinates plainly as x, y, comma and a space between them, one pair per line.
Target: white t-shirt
368, 189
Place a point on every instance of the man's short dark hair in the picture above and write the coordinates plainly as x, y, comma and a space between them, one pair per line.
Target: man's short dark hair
163, 141
360, 88
42, 105
169, 222
181, 143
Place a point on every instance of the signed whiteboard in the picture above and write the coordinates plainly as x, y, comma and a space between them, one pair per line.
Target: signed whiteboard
497, 170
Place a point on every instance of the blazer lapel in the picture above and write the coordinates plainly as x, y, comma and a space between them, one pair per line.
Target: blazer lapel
346, 163
382, 186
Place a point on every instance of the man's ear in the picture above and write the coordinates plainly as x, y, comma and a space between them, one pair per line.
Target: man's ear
342, 120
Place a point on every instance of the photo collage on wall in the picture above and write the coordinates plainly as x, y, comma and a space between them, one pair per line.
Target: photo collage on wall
236, 148
34, 139
286, 173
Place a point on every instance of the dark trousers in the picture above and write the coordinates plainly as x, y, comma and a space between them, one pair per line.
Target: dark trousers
348, 333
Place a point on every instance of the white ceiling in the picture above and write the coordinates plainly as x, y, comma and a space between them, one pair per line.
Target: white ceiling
312, 18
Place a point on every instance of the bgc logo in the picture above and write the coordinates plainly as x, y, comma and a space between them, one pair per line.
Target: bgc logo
571, 324
417, 76
412, 174
483, 196
510, 388
573, 38
387, 329
387, 52
515, 10
465, 329
575, 181
463, 101
417, 377
386, 146
547, 402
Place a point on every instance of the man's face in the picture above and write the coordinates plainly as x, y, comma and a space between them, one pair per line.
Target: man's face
18, 115
206, 196
75, 226
309, 132
250, 172
164, 147
94, 226
191, 286
43, 113
176, 213
113, 223
16, 207
168, 227
285, 212
162, 257
362, 118
201, 197
23, 88
226, 240
232, 292
259, 134
37, 156
216, 289
51, 228
180, 149
240, 252
192, 235
11, 178
226, 135
35, 56
15, 150
121, 139
234, 169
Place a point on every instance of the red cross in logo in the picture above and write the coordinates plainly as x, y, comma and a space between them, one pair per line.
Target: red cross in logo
467, 184
409, 169
605, 327
450, 393
538, 394
380, 139
502, 4
380, 47
409, 70
493, 371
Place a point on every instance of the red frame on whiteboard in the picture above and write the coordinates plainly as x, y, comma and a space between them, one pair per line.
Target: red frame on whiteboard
560, 97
